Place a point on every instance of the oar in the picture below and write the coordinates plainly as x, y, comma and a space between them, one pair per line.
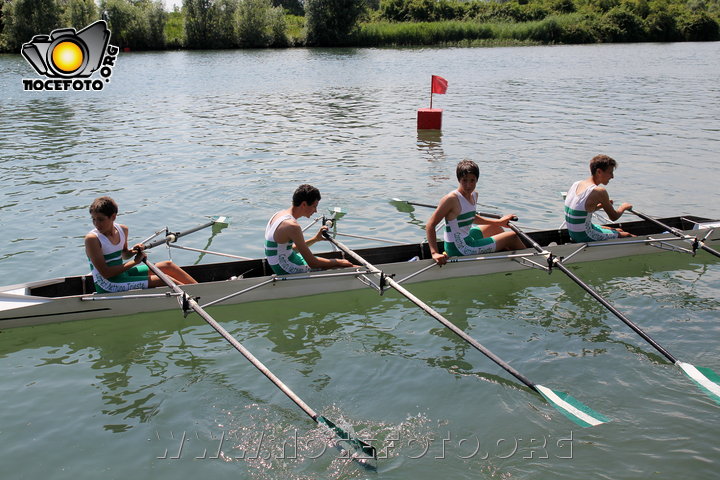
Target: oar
401, 205
367, 450
566, 404
696, 243
216, 222
703, 376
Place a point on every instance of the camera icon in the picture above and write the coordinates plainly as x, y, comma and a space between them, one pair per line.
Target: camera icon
67, 53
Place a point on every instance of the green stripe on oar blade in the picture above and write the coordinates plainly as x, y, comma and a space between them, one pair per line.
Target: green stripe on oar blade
368, 451
705, 377
572, 408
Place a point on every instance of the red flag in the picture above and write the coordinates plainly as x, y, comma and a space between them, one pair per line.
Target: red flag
439, 84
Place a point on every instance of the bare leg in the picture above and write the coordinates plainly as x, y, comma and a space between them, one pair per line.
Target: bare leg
177, 274
491, 230
622, 233
508, 241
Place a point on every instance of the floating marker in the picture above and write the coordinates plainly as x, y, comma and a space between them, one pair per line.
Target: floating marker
431, 118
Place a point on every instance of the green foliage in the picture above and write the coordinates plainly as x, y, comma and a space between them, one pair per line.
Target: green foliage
233, 24
136, 25
225, 29
143, 24
331, 22
23, 19
295, 29
261, 24
562, 6
155, 18
622, 25
199, 24
254, 23
175, 30
292, 7
79, 13
211, 24
278, 27
421, 33
698, 27
565, 21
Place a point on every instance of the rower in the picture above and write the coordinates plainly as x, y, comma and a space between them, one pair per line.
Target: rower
587, 196
286, 249
466, 232
106, 247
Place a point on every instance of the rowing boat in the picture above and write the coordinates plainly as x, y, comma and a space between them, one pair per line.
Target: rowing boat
73, 298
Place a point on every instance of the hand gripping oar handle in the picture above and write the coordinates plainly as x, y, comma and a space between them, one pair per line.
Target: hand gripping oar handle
172, 237
557, 263
677, 233
186, 301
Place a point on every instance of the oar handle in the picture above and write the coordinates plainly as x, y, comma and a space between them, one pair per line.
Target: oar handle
422, 204
678, 233
482, 214
172, 237
514, 218
674, 230
526, 238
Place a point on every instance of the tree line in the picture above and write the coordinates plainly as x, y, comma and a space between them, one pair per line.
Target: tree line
215, 24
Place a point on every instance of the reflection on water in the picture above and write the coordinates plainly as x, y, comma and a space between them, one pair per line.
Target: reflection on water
429, 144
363, 361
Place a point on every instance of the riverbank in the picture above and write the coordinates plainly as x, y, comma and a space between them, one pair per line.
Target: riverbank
228, 24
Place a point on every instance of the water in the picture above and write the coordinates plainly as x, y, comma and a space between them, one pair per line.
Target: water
178, 136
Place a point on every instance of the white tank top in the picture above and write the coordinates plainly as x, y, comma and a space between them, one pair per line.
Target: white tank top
575, 201
458, 228
280, 256
111, 251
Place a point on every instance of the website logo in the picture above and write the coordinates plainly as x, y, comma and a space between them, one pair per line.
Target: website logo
69, 58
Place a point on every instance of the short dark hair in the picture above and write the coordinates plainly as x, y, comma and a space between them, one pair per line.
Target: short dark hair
104, 205
465, 167
603, 162
306, 193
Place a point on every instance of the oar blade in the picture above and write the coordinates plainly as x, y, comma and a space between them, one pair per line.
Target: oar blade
363, 452
572, 408
219, 223
402, 205
706, 378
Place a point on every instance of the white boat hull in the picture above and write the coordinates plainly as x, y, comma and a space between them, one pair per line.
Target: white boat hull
19, 308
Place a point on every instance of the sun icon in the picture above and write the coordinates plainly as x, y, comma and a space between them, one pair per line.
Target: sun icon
67, 56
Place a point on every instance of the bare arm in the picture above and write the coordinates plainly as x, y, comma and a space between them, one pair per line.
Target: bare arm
500, 222
601, 197
444, 209
295, 233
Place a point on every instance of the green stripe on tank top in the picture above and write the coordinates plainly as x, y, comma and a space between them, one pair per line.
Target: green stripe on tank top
570, 211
